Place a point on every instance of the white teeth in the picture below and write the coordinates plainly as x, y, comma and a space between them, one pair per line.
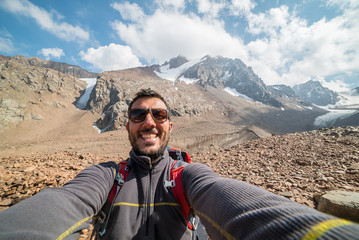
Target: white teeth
149, 136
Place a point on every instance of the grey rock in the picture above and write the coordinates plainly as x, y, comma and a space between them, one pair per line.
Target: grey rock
178, 61
341, 204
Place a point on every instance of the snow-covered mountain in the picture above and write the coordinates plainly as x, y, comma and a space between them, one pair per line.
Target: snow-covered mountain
237, 79
342, 112
283, 89
314, 92
225, 73
218, 92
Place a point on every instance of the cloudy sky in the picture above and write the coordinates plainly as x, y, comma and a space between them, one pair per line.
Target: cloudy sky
284, 41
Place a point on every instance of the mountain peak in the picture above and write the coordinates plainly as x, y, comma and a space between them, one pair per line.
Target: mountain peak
176, 62
314, 92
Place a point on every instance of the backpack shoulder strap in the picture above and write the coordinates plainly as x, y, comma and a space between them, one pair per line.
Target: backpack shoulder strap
179, 155
178, 192
101, 219
122, 172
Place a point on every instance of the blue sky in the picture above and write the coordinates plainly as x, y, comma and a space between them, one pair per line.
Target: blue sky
285, 42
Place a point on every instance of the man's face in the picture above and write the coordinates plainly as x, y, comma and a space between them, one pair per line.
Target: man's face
149, 138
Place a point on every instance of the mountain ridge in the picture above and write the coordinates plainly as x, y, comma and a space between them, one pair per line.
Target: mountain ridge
314, 92
62, 67
224, 72
204, 112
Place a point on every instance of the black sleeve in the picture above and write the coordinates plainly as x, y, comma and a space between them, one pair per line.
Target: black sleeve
56, 213
231, 209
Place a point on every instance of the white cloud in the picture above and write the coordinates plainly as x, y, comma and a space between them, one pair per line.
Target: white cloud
174, 4
46, 20
287, 49
111, 57
49, 53
343, 4
293, 52
212, 8
269, 22
241, 7
129, 11
6, 45
164, 35
337, 85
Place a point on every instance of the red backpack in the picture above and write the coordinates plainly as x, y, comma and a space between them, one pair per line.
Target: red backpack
175, 184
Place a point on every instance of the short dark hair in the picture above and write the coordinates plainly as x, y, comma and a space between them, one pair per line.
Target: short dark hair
148, 93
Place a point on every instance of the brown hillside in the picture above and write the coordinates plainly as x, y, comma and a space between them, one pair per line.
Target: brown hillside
298, 166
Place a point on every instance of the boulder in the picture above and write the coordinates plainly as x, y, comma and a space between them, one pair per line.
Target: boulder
340, 204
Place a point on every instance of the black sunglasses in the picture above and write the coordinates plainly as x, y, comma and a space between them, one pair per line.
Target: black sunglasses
158, 114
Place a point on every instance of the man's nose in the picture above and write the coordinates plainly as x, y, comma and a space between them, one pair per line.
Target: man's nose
149, 120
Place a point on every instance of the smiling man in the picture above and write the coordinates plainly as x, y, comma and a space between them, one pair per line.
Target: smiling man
146, 208
149, 127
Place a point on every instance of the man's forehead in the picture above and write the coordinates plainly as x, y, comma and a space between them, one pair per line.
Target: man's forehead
149, 102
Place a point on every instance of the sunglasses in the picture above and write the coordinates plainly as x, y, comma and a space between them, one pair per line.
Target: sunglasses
158, 114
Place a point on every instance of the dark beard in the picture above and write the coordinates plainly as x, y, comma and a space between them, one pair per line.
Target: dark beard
152, 154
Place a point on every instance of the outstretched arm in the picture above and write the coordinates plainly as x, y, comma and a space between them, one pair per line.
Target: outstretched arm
56, 213
231, 209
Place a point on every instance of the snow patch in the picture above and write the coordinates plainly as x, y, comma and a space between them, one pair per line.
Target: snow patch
345, 107
234, 92
82, 102
188, 80
227, 75
349, 98
174, 73
331, 117
97, 129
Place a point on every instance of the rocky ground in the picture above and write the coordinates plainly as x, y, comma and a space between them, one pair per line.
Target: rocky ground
299, 166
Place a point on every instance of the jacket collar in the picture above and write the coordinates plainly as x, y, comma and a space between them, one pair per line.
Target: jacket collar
145, 162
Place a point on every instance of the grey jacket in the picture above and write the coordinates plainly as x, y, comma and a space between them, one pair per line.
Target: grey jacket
146, 209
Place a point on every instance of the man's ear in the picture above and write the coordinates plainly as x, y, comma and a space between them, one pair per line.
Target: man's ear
171, 126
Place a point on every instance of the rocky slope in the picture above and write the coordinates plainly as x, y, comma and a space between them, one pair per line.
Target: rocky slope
64, 68
298, 166
352, 120
25, 91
